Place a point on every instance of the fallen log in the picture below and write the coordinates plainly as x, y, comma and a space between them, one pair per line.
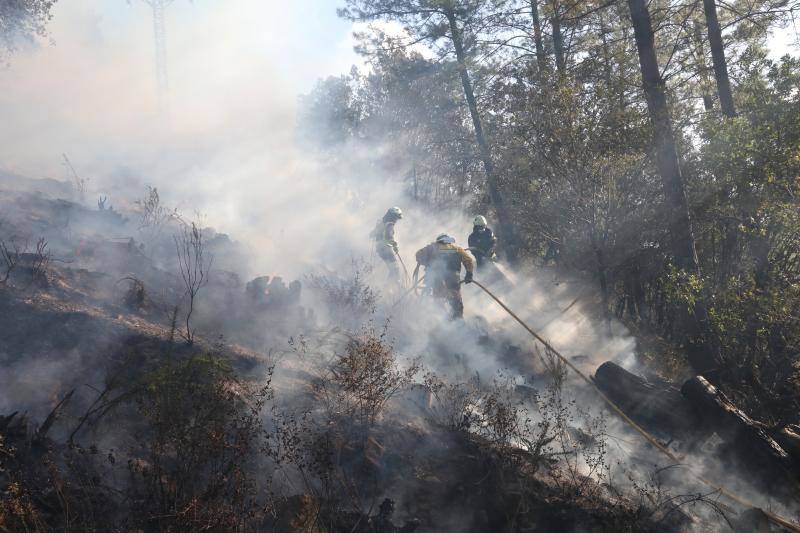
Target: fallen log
659, 408
745, 440
789, 439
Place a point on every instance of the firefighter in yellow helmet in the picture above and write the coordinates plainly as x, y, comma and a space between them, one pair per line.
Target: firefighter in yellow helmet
385, 243
442, 260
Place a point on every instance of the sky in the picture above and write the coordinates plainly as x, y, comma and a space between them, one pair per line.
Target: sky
235, 73
92, 88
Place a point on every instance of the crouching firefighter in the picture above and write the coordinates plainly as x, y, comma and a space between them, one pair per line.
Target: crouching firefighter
442, 260
385, 243
481, 242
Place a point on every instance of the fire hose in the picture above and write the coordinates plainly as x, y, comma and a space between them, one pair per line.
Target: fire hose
783, 522
405, 270
416, 284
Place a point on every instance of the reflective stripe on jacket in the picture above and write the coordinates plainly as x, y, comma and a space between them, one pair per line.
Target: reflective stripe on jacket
441, 259
384, 235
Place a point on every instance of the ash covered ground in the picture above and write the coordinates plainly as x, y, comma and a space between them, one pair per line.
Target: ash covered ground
323, 400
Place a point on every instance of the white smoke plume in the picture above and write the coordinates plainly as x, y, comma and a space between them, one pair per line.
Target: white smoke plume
228, 149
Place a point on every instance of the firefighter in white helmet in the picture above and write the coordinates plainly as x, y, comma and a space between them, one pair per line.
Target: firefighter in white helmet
481, 242
442, 260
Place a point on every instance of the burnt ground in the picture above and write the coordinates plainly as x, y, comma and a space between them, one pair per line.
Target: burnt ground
69, 332
97, 310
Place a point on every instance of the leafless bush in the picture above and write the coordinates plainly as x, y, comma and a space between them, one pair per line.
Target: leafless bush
579, 438
40, 262
351, 295
79, 182
452, 403
153, 215
493, 412
136, 296
194, 269
652, 501
10, 258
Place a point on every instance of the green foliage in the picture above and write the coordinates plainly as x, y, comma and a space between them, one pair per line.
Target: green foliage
575, 155
682, 287
22, 21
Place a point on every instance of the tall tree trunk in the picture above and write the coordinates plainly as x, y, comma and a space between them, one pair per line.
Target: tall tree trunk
541, 60
705, 83
683, 247
718, 57
506, 228
602, 275
558, 38
606, 52
702, 347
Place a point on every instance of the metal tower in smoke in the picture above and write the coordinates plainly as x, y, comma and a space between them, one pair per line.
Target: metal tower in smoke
160, 40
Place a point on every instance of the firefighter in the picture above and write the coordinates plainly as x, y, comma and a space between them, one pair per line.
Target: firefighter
481, 242
442, 260
385, 243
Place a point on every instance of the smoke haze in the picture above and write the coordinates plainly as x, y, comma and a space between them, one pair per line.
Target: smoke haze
229, 149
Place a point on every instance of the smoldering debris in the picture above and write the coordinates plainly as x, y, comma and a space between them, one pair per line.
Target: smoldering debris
482, 435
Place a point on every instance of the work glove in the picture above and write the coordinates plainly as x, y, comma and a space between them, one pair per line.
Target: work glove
468, 278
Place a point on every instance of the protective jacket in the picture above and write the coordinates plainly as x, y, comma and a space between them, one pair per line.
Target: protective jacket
482, 241
444, 260
383, 234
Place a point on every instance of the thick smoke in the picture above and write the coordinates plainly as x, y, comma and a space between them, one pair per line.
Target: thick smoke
228, 149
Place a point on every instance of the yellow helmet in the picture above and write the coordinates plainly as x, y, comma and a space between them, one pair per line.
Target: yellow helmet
480, 220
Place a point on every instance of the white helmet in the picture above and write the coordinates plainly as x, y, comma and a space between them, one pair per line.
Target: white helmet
396, 212
444, 238
480, 220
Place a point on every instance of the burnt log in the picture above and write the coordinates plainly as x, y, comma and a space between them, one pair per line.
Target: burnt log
658, 407
745, 440
789, 439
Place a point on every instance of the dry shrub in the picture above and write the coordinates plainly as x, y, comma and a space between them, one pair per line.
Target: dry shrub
195, 267
190, 441
40, 263
35, 264
329, 448
203, 432
17, 511
361, 380
493, 412
9, 258
450, 408
153, 216
349, 296
135, 298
